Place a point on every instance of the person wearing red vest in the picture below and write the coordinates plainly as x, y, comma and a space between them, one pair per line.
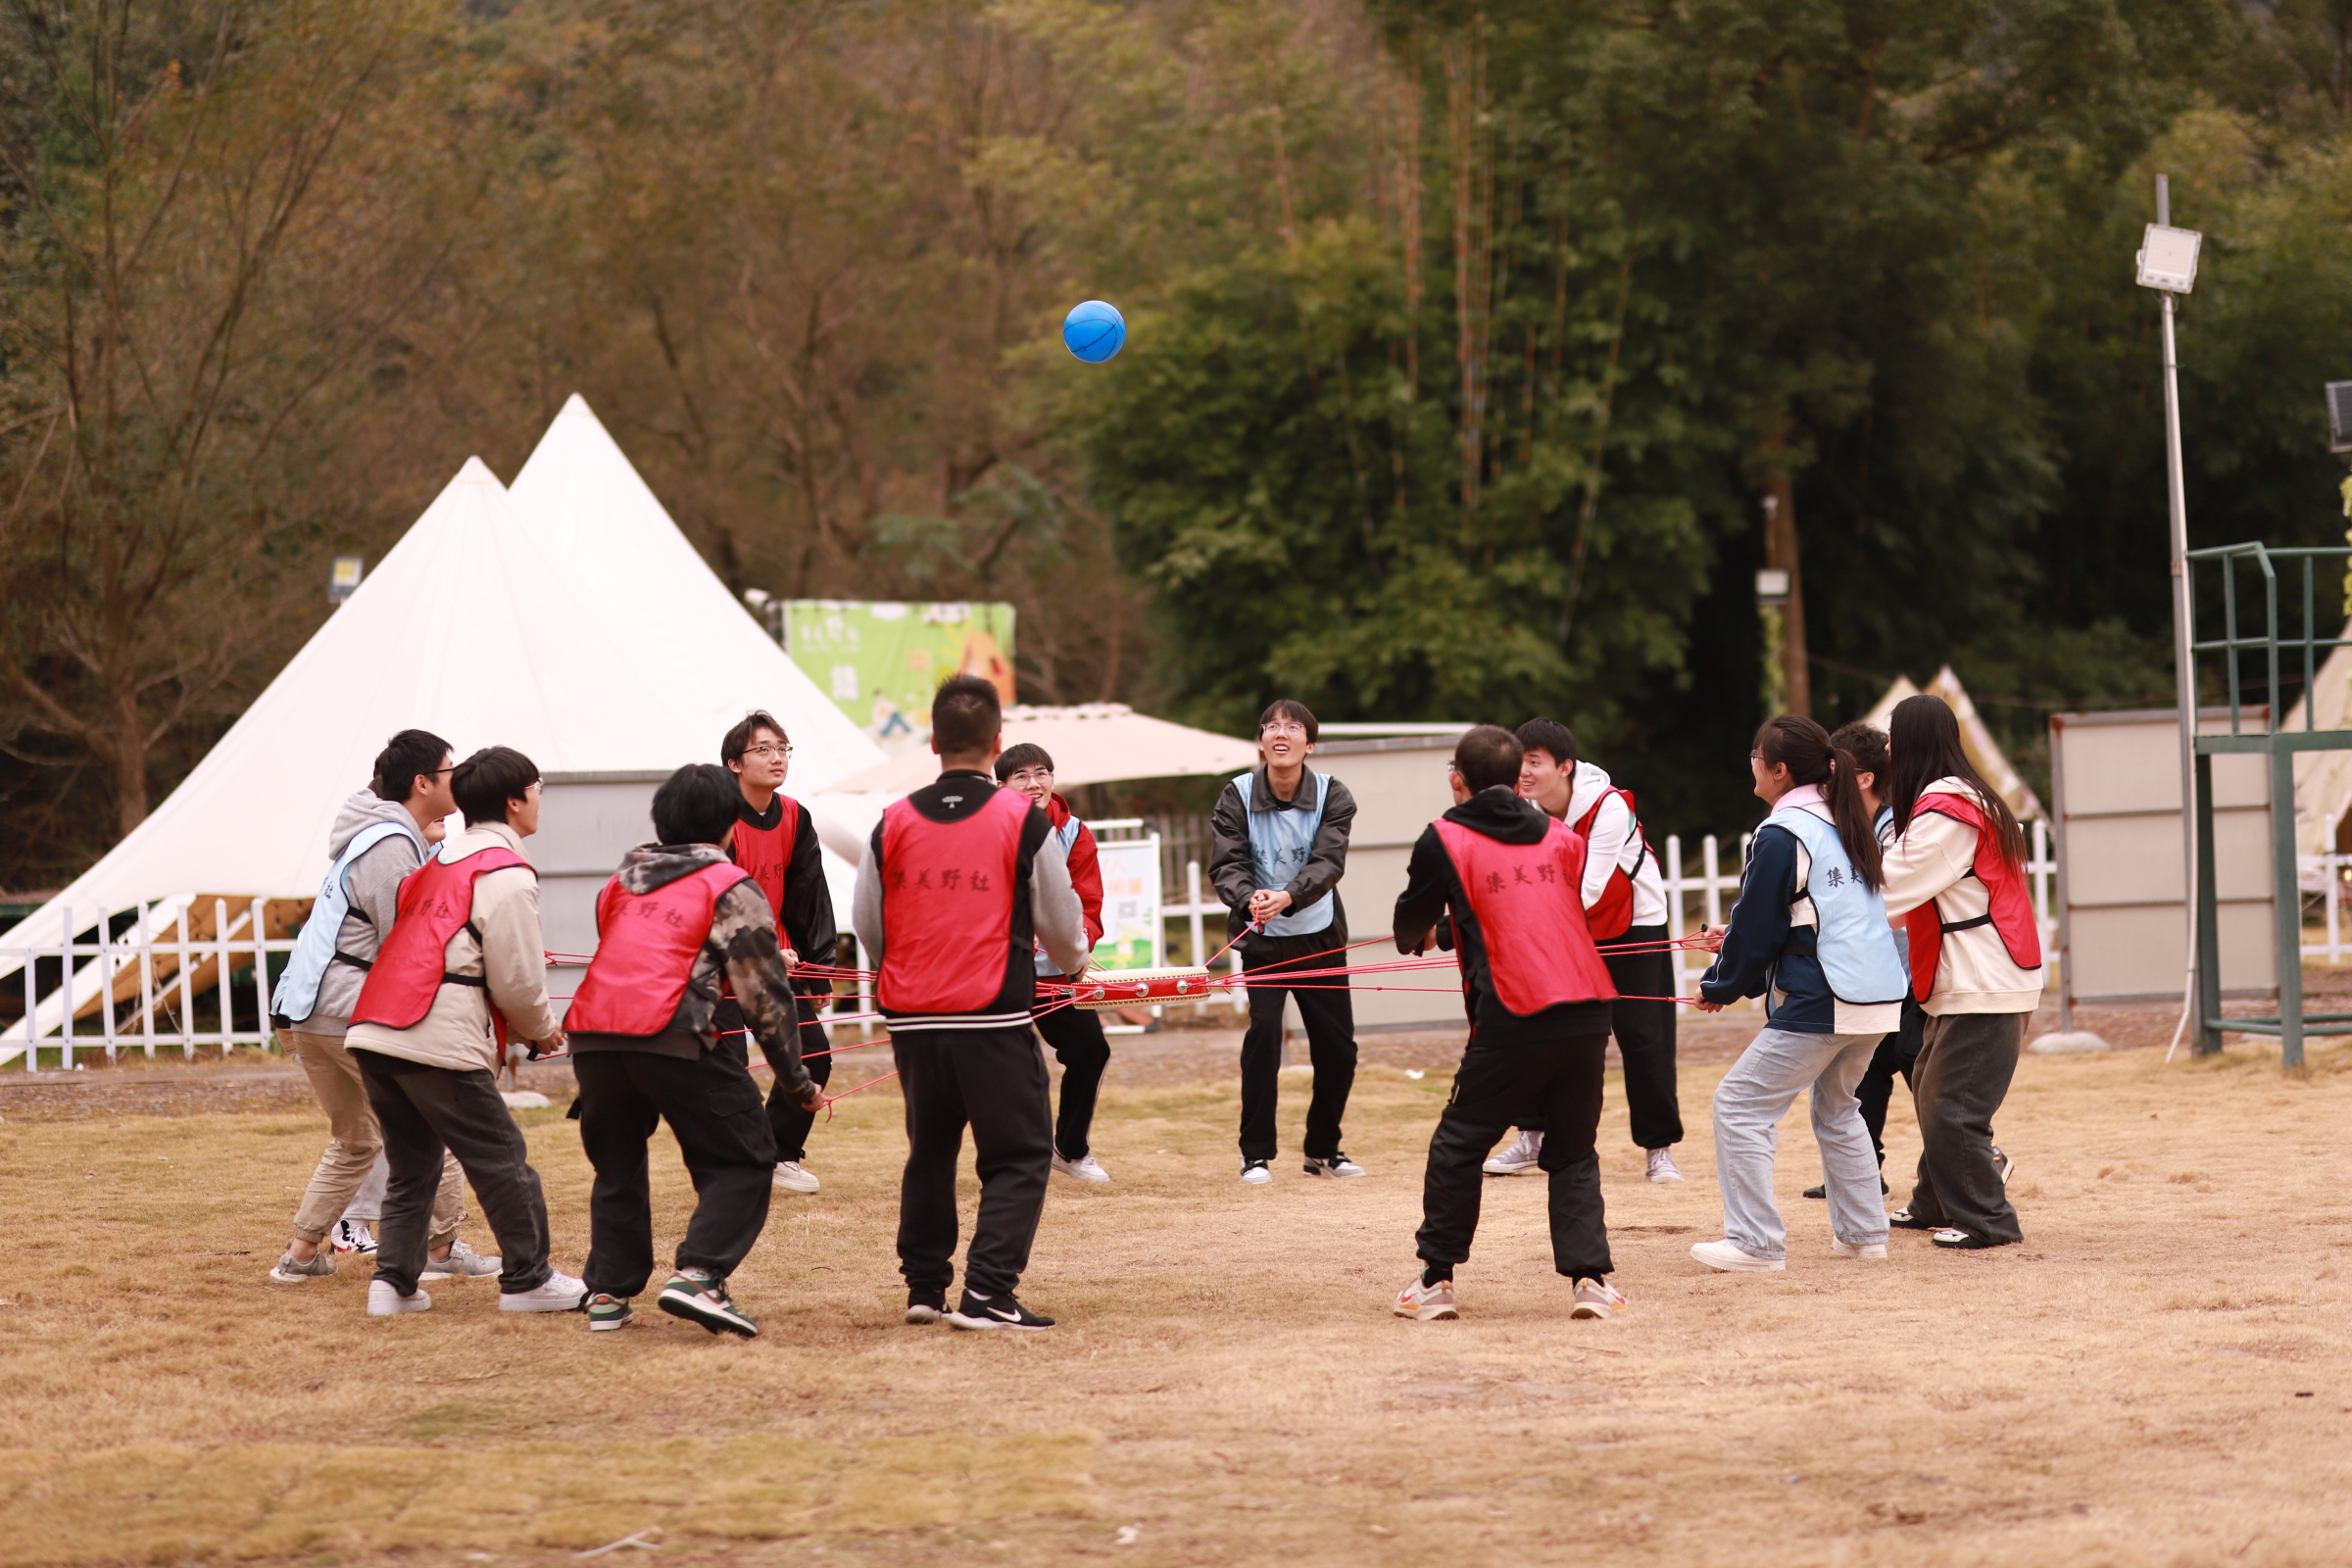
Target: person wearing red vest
1505, 878
1956, 882
1625, 905
775, 841
679, 921
960, 881
1075, 1033
464, 967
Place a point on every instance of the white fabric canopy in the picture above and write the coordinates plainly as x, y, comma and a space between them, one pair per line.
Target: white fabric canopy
1096, 743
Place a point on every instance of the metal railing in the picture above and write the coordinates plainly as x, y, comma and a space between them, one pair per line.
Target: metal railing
2314, 647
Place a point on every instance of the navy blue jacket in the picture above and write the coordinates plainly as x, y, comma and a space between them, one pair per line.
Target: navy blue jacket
1763, 954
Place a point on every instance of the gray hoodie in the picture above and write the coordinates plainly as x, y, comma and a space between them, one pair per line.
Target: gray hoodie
374, 884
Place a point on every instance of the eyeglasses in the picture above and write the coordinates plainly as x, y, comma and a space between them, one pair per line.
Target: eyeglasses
769, 751
1284, 727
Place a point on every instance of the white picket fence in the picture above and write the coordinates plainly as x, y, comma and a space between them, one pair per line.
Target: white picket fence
139, 989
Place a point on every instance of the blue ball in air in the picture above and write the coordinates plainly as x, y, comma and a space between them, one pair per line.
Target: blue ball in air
1094, 331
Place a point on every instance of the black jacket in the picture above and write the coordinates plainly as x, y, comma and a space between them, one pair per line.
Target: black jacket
1432, 891
1234, 877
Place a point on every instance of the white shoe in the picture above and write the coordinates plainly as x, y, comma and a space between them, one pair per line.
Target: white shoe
557, 1293
1083, 1168
1425, 1304
462, 1263
385, 1302
793, 1177
1254, 1173
1733, 1259
1596, 1299
1868, 1251
1519, 1159
1662, 1167
351, 1236
1338, 1166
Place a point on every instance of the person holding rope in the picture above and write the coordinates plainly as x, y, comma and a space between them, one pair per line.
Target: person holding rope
1809, 934
960, 881
1955, 878
678, 921
775, 842
1075, 1033
1625, 905
1507, 879
1277, 849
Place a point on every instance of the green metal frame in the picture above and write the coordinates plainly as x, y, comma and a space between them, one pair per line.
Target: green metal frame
2290, 1023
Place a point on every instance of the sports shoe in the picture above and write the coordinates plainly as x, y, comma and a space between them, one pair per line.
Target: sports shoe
607, 1311
977, 1311
385, 1302
926, 1307
1868, 1251
290, 1271
1254, 1173
2003, 1163
1596, 1299
1337, 1165
1903, 1220
1662, 1167
1823, 1190
352, 1236
699, 1299
1732, 1259
557, 1293
1083, 1168
1953, 1239
1519, 1159
1425, 1304
462, 1263
793, 1177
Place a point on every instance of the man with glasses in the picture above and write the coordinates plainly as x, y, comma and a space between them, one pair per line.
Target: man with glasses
1279, 839
775, 841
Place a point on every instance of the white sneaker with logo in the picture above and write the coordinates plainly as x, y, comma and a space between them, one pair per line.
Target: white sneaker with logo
1519, 1159
351, 1236
793, 1177
1081, 1169
557, 1293
1425, 1304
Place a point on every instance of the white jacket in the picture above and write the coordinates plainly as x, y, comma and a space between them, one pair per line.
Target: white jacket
1614, 844
1933, 861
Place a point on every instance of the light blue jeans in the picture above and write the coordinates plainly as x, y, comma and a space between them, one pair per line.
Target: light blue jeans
1750, 1104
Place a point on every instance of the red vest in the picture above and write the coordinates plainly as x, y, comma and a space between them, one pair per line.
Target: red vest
436, 902
1612, 913
646, 945
947, 905
767, 852
1530, 915
2010, 910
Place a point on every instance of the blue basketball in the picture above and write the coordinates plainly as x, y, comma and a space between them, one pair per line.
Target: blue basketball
1094, 331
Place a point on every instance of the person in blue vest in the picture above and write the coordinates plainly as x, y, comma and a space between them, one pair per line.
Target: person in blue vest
380, 835
1278, 847
1810, 934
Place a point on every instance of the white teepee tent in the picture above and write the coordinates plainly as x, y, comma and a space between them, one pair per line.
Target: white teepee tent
580, 496
471, 628
1975, 739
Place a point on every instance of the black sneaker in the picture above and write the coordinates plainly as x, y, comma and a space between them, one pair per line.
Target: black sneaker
1902, 1219
1823, 1190
926, 1307
977, 1311
703, 1300
2003, 1163
1953, 1239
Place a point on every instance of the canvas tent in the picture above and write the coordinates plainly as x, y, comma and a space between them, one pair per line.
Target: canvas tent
1975, 739
2324, 779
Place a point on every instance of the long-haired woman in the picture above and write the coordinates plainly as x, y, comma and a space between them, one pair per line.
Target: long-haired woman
1810, 934
1956, 877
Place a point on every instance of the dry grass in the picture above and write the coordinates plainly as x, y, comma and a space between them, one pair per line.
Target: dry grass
2123, 1389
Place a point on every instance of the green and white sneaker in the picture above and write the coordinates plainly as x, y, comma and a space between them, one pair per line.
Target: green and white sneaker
462, 1263
697, 1298
607, 1311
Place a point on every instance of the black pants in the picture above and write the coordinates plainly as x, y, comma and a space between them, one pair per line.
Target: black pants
423, 1112
1328, 1014
1083, 1050
992, 1081
1899, 1053
713, 1107
1494, 1087
785, 1118
1962, 1077
1644, 1032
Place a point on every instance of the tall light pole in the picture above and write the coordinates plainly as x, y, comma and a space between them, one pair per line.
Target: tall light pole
2168, 264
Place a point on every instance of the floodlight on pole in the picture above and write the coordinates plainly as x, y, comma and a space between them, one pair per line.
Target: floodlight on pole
343, 577
2339, 415
2168, 264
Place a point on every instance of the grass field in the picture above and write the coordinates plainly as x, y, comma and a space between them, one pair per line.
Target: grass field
2157, 1376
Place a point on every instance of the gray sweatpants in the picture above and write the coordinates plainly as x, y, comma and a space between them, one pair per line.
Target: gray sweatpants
1750, 1101
1962, 1077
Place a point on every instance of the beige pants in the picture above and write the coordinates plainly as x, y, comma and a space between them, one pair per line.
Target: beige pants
353, 1142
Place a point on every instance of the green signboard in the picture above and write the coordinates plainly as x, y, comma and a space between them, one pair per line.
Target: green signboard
880, 662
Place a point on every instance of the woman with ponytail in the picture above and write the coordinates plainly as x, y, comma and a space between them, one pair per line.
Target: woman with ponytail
1955, 877
1810, 934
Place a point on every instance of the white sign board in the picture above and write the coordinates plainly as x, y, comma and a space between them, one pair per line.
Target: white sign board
1130, 899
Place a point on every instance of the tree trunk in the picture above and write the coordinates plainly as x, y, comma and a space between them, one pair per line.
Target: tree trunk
1780, 550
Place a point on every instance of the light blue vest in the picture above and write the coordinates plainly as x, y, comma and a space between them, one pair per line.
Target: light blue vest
1855, 945
1067, 836
297, 994
1278, 844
